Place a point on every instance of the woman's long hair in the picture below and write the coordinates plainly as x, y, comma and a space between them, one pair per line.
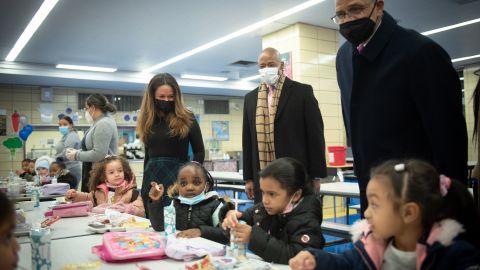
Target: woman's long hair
180, 121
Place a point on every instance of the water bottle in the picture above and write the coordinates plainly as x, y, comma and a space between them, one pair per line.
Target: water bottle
36, 180
236, 249
169, 220
36, 196
40, 240
54, 180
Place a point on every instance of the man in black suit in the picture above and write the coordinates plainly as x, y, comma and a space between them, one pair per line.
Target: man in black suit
281, 119
401, 96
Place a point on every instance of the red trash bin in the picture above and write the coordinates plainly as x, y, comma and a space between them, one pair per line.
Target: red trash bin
337, 155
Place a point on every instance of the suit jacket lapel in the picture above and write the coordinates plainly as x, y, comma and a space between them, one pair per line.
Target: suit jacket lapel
284, 96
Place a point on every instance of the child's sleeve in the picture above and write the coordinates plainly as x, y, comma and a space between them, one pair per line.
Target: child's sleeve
136, 208
215, 232
305, 233
83, 196
326, 260
155, 212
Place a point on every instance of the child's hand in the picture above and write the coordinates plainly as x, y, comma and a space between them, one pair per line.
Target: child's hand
190, 233
303, 261
242, 233
231, 219
156, 191
71, 194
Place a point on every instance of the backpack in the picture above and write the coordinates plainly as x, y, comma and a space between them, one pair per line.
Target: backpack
131, 246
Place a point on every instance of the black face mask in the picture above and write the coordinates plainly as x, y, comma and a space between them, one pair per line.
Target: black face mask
165, 106
359, 30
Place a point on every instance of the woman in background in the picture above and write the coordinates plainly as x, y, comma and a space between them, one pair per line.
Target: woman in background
69, 139
166, 127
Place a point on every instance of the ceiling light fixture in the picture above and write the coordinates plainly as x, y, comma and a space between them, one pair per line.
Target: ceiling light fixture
31, 28
251, 78
202, 77
465, 58
453, 26
86, 68
235, 34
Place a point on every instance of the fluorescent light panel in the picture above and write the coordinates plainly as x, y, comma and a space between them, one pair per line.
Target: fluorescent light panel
235, 34
31, 28
465, 58
87, 68
453, 26
202, 77
251, 78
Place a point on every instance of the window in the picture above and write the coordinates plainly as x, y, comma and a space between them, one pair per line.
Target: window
123, 103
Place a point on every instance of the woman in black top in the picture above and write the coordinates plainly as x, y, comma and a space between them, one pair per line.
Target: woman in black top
166, 127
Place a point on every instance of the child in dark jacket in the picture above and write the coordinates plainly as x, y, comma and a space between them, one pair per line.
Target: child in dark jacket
59, 170
288, 219
416, 219
196, 206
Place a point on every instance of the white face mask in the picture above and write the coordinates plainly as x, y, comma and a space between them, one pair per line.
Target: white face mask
269, 75
88, 117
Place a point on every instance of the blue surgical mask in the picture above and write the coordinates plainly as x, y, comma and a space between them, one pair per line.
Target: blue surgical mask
193, 200
63, 130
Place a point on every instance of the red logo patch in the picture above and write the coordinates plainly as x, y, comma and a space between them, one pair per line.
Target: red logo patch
305, 238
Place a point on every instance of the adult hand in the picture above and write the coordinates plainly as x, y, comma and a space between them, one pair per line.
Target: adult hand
249, 189
190, 233
231, 219
303, 261
156, 191
242, 233
70, 153
316, 185
70, 195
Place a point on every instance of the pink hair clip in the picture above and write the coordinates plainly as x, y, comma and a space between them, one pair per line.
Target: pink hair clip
445, 183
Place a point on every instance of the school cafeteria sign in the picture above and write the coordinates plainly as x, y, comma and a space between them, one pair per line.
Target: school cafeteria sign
220, 130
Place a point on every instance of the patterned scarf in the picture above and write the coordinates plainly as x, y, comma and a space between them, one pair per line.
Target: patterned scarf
264, 122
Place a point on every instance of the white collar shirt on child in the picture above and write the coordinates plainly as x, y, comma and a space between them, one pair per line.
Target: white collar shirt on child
398, 259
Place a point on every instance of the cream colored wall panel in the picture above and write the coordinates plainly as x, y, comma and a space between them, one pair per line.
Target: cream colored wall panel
312, 81
332, 136
6, 105
332, 123
332, 98
21, 106
307, 57
327, 72
308, 44
24, 97
329, 85
326, 34
60, 98
327, 47
307, 69
306, 30
329, 110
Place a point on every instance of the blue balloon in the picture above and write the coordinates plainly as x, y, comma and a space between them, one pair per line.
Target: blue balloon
23, 134
28, 128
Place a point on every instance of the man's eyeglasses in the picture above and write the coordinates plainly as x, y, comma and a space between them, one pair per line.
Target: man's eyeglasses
352, 12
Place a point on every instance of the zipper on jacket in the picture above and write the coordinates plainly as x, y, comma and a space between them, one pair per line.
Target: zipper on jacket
189, 216
363, 257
